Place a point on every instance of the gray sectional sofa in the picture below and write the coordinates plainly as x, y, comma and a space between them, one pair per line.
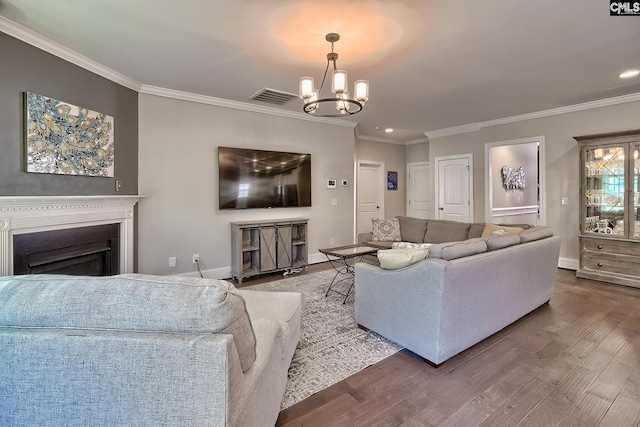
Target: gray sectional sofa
465, 290
142, 351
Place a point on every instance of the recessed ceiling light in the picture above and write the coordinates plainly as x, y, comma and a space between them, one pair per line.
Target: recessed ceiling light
629, 73
376, 127
388, 130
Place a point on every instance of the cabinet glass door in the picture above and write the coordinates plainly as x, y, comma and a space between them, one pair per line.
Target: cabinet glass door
635, 217
604, 190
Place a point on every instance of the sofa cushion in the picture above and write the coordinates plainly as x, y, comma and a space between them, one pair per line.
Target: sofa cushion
475, 230
499, 241
454, 250
392, 259
412, 229
499, 229
536, 233
128, 303
441, 231
386, 230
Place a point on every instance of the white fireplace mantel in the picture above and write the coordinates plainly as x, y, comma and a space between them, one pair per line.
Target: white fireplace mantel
31, 214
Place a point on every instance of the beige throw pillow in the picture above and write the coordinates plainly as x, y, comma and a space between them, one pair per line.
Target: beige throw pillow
490, 229
386, 230
392, 259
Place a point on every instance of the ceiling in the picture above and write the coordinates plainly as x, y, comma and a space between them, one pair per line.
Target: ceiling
431, 64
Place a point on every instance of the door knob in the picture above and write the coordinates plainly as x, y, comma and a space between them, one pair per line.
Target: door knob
441, 209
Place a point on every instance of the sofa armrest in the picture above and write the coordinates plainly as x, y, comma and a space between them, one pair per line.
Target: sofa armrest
71, 377
396, 303
365, 237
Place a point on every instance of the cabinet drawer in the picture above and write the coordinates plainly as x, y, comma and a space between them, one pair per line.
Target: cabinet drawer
629, 266
611, 246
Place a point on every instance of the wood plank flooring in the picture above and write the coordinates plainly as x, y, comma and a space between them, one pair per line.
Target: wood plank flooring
572, 362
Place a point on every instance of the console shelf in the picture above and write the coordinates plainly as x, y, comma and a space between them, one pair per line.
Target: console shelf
259, 247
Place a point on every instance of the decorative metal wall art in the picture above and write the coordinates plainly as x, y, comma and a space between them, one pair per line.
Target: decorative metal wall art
65, 139
513, 179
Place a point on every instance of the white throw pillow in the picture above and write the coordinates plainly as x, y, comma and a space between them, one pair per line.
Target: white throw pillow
409, 245
392, 259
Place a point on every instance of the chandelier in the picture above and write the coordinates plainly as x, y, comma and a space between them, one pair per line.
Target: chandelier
344, 105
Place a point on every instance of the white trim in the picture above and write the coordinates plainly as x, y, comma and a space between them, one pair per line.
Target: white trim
30, 214
31, 37
542, 171
220, 102
568, 263
417, 141
436, 201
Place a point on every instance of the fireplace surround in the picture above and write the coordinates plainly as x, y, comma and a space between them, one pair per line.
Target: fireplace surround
21, 215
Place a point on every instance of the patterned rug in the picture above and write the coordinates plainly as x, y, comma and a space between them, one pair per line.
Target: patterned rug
331, 346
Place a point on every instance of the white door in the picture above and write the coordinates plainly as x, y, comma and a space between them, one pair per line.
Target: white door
370, 194
418, 200
453, 188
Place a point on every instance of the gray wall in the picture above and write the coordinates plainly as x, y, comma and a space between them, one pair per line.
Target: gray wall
561, 156
24, 68
179, 216
415, 153
393, 156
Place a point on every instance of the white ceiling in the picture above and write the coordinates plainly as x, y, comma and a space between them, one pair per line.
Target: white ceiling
432, 64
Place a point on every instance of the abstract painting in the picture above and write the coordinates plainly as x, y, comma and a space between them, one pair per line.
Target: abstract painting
65, 139
392, 180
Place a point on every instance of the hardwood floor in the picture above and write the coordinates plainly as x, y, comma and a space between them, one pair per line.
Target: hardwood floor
572, 362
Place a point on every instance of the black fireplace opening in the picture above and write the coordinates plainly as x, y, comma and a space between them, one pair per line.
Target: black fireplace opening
82, 251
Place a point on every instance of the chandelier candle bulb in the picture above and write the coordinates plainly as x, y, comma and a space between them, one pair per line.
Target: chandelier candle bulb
306, 87
339, 81
361, 90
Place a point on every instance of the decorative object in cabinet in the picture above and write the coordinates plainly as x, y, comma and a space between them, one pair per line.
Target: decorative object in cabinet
610, 207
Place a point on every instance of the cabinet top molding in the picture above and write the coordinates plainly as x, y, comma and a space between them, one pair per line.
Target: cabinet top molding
628, 135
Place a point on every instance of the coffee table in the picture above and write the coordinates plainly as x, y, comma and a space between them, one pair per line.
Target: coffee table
345, 272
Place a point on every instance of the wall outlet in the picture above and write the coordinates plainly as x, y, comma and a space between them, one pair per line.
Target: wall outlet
196, 258
334, 201
172, 261
332, 241
564, 201
118, 185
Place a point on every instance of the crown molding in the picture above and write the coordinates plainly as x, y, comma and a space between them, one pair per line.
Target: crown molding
378, 139
416, 141
616, 100
473, 127
31, 37
220, 102
455, 130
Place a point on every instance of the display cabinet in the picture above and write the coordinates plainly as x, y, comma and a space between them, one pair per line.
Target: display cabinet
610, 207
259, 247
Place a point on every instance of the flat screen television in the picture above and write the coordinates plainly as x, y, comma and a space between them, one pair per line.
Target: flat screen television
263, 179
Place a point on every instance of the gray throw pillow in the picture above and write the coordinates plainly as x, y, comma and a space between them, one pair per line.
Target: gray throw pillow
441, 231
412, 229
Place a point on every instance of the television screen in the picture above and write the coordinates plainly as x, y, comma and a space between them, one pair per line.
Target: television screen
263, 179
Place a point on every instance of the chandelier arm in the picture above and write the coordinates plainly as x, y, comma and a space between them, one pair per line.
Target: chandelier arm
324, 77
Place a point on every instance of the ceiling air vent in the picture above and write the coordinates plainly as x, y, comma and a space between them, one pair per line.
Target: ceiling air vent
272, 96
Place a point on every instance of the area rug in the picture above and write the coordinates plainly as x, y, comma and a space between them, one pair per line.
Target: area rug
331, 346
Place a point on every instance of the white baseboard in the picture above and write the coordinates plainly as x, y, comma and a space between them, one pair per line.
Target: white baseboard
568, 263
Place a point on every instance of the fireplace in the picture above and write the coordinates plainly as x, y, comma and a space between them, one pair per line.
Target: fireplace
84, 251
106, 222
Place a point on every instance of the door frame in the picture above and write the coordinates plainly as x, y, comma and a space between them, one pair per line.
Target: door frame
436, 183
542, 167
383, 187
408, 169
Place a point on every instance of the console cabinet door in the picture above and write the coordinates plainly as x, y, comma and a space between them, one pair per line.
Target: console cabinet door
267, 248
284, 246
